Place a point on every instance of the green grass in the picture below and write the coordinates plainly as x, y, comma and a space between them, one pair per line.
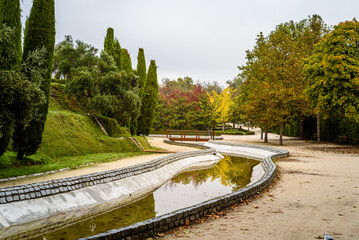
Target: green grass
32, 167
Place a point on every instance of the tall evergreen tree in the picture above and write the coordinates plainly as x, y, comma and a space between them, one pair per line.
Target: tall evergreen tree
10, 15
7, 85
117, 53
149, 102
141, 68
126, 63
10, 56
39, 34
109, 41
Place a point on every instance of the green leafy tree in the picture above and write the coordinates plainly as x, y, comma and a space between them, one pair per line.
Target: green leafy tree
126, 64
141, 68
149, 103
106, 64
10, 16
82, 87
332, 73
117, 53
212, 86
274, 77
68, 56
109, 41
112, 47
8, 84
39, 34
19, 98
119, 98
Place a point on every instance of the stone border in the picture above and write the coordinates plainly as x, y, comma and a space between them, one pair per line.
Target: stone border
53, 187
171, 220
165, 136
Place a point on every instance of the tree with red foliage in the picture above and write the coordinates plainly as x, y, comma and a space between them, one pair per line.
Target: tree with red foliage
182, 105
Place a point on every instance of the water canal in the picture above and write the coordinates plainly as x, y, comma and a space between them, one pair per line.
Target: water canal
184, 190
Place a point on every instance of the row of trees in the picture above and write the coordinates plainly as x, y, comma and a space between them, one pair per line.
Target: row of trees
185, 105
105, 85
25, 74
301, 70
108, 85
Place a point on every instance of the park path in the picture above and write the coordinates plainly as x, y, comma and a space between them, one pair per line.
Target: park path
100, 167
317, 192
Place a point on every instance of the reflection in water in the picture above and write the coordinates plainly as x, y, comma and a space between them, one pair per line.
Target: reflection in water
139, 211
187, 189
190, 188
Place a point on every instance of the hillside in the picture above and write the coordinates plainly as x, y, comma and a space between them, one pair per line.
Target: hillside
71, 139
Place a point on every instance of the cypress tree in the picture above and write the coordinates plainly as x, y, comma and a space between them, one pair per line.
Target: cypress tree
39, 34
109, 41
8, 83
126, 63
10, 15
10, 51
149, 100
141, 69
117, 53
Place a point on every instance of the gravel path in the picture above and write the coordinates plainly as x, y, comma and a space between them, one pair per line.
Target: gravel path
123, 162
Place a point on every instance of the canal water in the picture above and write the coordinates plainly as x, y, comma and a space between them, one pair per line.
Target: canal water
186, 189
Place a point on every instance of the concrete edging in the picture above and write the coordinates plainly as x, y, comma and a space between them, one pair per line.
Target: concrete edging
165, 222
53, 187
165, 136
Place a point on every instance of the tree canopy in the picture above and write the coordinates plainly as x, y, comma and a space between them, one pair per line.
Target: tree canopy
332, 72
273, 73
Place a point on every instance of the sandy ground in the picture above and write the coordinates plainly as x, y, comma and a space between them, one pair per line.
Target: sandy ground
158, 142
317, 192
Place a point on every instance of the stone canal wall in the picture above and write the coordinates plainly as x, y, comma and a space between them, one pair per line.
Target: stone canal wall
165, 222
28, 210
53, 187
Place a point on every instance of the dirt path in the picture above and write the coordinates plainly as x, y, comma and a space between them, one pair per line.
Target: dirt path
317, 193
157, 142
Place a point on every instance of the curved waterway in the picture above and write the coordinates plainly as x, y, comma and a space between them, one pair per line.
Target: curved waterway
186, 189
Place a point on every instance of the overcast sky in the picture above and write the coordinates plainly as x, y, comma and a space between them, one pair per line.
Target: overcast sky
202, 39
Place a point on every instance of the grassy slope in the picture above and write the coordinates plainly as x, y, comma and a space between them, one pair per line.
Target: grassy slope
69, 140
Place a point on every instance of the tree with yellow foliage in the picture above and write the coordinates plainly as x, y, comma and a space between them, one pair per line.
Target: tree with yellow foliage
222, 104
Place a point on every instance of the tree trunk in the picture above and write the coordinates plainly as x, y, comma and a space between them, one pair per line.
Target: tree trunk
223, 126
281, 134
301, 129
266, 135
20, 155
261, 133
234, 126
318, 127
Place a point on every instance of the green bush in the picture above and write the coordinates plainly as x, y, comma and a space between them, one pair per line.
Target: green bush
113, 128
